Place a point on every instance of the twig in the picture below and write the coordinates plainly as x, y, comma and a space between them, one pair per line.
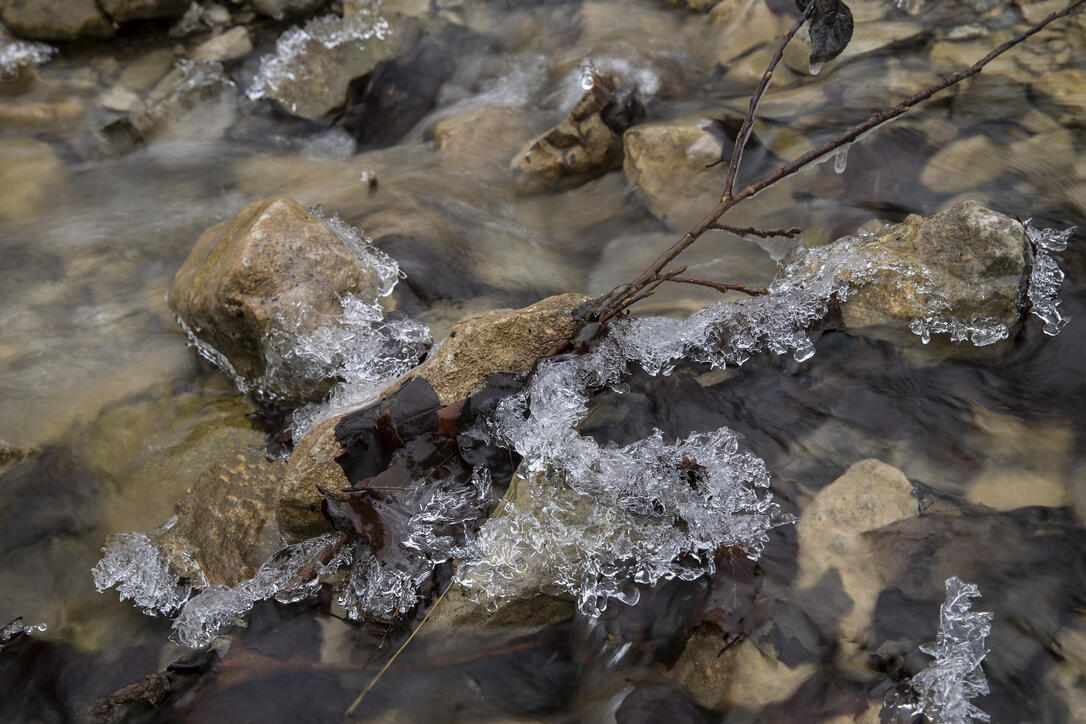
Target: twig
743, 136
722, 288
321, 558
597, 309
660, 279
763, 233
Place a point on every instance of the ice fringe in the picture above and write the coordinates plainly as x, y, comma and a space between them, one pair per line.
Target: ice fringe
140, 572
943, 689
18, 54
1046, 277
17, 627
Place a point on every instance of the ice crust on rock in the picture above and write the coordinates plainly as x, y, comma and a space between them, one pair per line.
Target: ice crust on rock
331, 31
1046, 277
943, 689
18, 54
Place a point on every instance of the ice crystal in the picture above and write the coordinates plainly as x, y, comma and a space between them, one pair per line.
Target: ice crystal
142, 573
441, 526
1046, 277
944, 688
17, 627
215, 608
18, 54
331, 31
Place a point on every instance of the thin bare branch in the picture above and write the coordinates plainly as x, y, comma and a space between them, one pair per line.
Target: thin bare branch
743, 136
763, 233
600, 307
722, 288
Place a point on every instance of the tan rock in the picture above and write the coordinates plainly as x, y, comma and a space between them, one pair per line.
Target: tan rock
868, 496
579, 148
477, 347
226, 522
1064, 92
56, 19
270, 267
975, 256
743, 25
480, 136
40, 113
232, 44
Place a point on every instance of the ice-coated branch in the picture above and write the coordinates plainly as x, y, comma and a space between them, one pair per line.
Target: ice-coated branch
607, 305
722, 288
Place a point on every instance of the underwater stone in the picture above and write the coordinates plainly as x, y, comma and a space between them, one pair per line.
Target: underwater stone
50, 20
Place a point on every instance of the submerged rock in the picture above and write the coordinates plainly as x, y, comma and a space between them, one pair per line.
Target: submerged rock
195, 99
30, 173
274, 269
870, 495
56, 20
225, 524
584, 145
477, 347
966, 269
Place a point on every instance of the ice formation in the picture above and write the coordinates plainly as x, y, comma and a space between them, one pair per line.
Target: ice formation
140, 572
943, 689
17, 627
215, 608
1046, 277
331, 31
18, 54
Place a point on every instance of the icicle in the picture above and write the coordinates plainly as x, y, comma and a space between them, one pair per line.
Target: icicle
588, 73
840, 158
816, 68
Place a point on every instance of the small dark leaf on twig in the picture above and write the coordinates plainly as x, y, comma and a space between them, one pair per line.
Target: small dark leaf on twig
831, 28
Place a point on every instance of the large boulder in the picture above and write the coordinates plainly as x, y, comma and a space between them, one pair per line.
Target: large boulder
56, 19
273, 269
963, 266
587, 143
477, 347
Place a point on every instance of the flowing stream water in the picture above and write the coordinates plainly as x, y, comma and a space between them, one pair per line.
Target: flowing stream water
113, 416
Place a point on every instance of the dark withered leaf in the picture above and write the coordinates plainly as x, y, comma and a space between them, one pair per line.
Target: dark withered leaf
830, 28
729, 602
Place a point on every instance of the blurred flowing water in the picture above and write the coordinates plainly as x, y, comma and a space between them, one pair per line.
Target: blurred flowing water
119, 416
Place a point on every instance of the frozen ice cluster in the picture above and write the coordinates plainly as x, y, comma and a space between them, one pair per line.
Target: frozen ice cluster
1046, 277
943, 689
17, 627
439, 526
331, 31
18, 54
141, 573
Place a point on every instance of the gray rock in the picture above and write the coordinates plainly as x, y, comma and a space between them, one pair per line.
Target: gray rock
252, 275
122, 11
56, 19
477, 347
